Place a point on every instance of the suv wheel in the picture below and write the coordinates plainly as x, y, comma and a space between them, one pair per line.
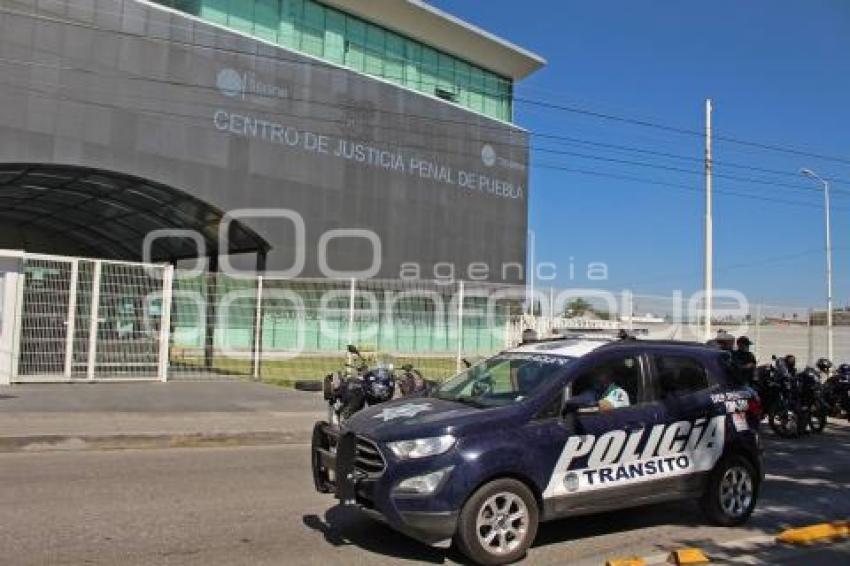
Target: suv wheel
730, 496
498, 523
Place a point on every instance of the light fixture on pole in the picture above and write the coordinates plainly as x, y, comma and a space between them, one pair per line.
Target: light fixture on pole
812, 175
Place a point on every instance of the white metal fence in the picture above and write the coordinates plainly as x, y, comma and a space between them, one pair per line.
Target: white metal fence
85, 319
78, 319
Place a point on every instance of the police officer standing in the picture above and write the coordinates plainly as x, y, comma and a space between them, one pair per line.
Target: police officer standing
725, 341
744, 360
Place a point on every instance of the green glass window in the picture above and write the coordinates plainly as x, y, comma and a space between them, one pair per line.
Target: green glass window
215, 11
310, 27
266, 19
412, 64
355, 48
394, 60
335, 36
313, 29
241, 15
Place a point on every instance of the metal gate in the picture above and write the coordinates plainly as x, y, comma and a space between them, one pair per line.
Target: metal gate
86, 319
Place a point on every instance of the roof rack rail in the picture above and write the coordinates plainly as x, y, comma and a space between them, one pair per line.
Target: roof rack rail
536, 340
661, 342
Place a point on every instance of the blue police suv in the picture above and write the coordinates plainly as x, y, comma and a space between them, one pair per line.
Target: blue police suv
548, 430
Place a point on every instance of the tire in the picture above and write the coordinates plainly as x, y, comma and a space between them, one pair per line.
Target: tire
731, 494
488, 511
784, 421
817, 417
311, 385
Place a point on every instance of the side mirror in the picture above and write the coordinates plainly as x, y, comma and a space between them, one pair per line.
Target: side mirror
352, 349
466, 362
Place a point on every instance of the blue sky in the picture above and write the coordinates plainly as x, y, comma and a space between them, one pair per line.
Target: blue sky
778, 72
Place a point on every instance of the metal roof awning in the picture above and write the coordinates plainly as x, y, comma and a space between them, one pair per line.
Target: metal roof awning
108, 214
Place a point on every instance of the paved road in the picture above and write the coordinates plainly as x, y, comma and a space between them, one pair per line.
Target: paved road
255, 505
72, 415
225, 396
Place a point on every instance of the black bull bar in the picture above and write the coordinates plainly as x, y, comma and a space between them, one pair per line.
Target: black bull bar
332, 454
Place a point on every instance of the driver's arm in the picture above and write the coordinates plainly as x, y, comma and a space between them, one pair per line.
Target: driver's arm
615, 399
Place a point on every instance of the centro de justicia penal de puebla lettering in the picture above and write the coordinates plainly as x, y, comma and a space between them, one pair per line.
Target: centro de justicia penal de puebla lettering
366, 154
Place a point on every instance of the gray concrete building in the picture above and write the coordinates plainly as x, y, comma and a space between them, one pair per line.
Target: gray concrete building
380, 132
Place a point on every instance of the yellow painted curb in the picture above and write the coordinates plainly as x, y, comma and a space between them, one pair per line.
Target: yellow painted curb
815, 533
688, 556
634, 561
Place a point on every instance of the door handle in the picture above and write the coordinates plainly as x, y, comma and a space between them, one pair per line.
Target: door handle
633, 426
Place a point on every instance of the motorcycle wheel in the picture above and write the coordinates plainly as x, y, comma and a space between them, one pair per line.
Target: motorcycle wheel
784, 422
817, 417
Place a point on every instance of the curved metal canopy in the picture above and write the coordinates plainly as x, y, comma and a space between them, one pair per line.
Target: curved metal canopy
107, 214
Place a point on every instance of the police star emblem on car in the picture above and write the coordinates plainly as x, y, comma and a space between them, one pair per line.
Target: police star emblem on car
406, 410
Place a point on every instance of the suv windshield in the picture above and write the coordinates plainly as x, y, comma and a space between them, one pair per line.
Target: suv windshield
503, 379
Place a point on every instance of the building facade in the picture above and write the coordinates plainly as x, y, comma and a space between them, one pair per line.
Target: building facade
334, 138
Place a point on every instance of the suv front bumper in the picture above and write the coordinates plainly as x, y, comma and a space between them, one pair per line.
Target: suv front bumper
336, 470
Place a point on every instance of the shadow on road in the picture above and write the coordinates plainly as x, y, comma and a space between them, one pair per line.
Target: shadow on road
807, 479
348, 526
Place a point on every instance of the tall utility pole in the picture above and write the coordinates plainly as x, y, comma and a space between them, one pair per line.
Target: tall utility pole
532, 244
709, 224
812, 175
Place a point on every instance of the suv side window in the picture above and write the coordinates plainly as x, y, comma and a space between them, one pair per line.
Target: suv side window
621, 371
552, 409
679, 375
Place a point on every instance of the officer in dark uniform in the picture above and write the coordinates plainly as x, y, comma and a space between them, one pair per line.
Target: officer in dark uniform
725, 341
744, 360
791, 364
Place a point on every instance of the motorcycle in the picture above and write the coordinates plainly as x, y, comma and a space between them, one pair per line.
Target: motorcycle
779, 390
813, 407
413, 384
836, 392
357, 386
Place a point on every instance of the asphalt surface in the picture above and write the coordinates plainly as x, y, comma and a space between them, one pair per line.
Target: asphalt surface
256, 505
90, 416
152, 398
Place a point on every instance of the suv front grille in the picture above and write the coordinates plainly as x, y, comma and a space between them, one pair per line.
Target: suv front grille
368, 458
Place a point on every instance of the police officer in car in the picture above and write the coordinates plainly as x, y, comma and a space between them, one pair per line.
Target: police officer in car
611, 395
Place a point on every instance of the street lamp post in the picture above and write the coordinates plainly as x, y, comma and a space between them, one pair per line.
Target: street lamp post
811, 174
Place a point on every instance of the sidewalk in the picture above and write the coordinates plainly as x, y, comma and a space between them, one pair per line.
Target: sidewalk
153, 415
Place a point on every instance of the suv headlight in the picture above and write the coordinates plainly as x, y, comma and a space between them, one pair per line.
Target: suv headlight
422, 447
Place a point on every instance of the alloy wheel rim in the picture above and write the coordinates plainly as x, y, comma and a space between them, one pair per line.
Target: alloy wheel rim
502, 523
736, 491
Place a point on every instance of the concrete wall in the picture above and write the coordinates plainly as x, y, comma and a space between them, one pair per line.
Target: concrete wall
133, 88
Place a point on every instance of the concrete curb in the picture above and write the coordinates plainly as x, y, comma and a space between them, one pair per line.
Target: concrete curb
801, 537
53, 443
